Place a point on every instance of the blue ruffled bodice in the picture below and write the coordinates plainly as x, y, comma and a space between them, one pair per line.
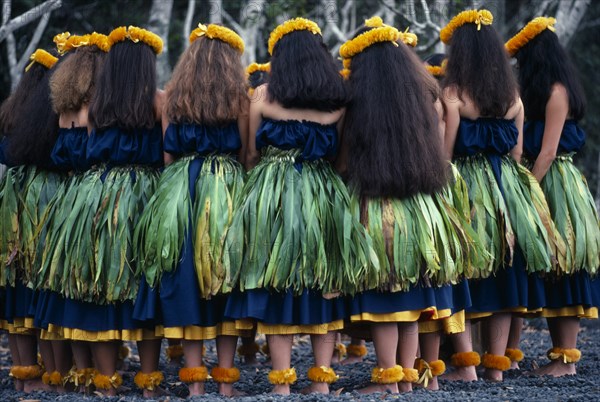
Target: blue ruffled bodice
2, 151
182, 139
572, 138
487, 136
118, 147
69, 152
314, 139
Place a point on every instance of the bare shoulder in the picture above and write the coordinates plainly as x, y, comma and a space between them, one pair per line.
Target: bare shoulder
559, 91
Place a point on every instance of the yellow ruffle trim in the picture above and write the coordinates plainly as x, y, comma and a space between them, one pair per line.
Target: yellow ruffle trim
281, 377
174, 352
149, 381
450, 325
566, 355
289, 26
465, 359
225, 375
83, 377
196, 333
26, 372
322, 374
571, 311
105, 382
410, 375
477, 17
213, 31
530, 31
387, 376
403, 316
248, 350
429, 370
317, 329
495, 362
515, 355
357, 350
75, 334
193, 374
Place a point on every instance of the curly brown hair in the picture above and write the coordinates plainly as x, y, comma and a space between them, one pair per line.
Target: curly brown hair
73, 82
208, 85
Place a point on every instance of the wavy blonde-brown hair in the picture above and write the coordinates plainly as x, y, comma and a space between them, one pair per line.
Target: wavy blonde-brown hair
208, 85
73, 82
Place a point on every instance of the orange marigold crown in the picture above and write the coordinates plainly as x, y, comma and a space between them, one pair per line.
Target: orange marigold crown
221, 33
477, 17
295, 24
136, 35
65, 42
531, 30
254, 67
42, 57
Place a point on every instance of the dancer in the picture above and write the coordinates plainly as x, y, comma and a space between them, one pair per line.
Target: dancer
293, 247
484, 118
205, 133
554, 102
31, 129
92, 252
419, 240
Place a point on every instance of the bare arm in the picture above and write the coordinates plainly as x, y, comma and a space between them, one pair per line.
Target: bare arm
439, 108
255, 118
452, 103
243, 122
557, 110
517, 151
161, 110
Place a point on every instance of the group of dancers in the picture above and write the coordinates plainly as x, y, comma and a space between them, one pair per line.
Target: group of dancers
388, 198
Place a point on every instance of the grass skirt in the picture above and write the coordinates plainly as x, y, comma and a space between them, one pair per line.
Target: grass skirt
295, 229
88, 252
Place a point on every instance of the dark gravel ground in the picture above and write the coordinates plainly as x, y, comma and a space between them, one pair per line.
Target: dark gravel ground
535, 342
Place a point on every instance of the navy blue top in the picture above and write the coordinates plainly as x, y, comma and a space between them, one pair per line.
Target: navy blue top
490, 137
118, 147
572, 138
2, 151
69, 151
314, 139
182, 139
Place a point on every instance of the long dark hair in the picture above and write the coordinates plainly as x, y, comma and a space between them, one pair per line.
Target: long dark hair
304, 75
125, 91
542, 63
391, 127
478, 66
28, 121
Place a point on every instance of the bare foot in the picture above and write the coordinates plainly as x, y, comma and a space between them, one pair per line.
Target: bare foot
466, 374
316, 388
156, 392
35, 385
196, 388
107, 392
514, 366
493, 375
283, 389
405, 386
371, 389
228, 390
19, 386
433, 385
556, 368
351, 360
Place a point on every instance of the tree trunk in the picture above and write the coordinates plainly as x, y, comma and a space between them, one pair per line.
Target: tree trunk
569, 16
188, 22
216, 12
159, 22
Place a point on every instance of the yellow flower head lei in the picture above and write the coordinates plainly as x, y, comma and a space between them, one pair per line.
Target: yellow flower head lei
409, 38
374, 22
42, 57
295, 24
223, 34
438, 71
255, 67
351, 48
136, 35
65, 42
477, 17
531, 30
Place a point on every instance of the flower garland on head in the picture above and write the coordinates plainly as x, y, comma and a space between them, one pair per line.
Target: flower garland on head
409, 38
136, 35
65, 42
374, 22
255, 67
296, 24
438, 71
477, 17
531, 30
42, 57
223, 34
351, 48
